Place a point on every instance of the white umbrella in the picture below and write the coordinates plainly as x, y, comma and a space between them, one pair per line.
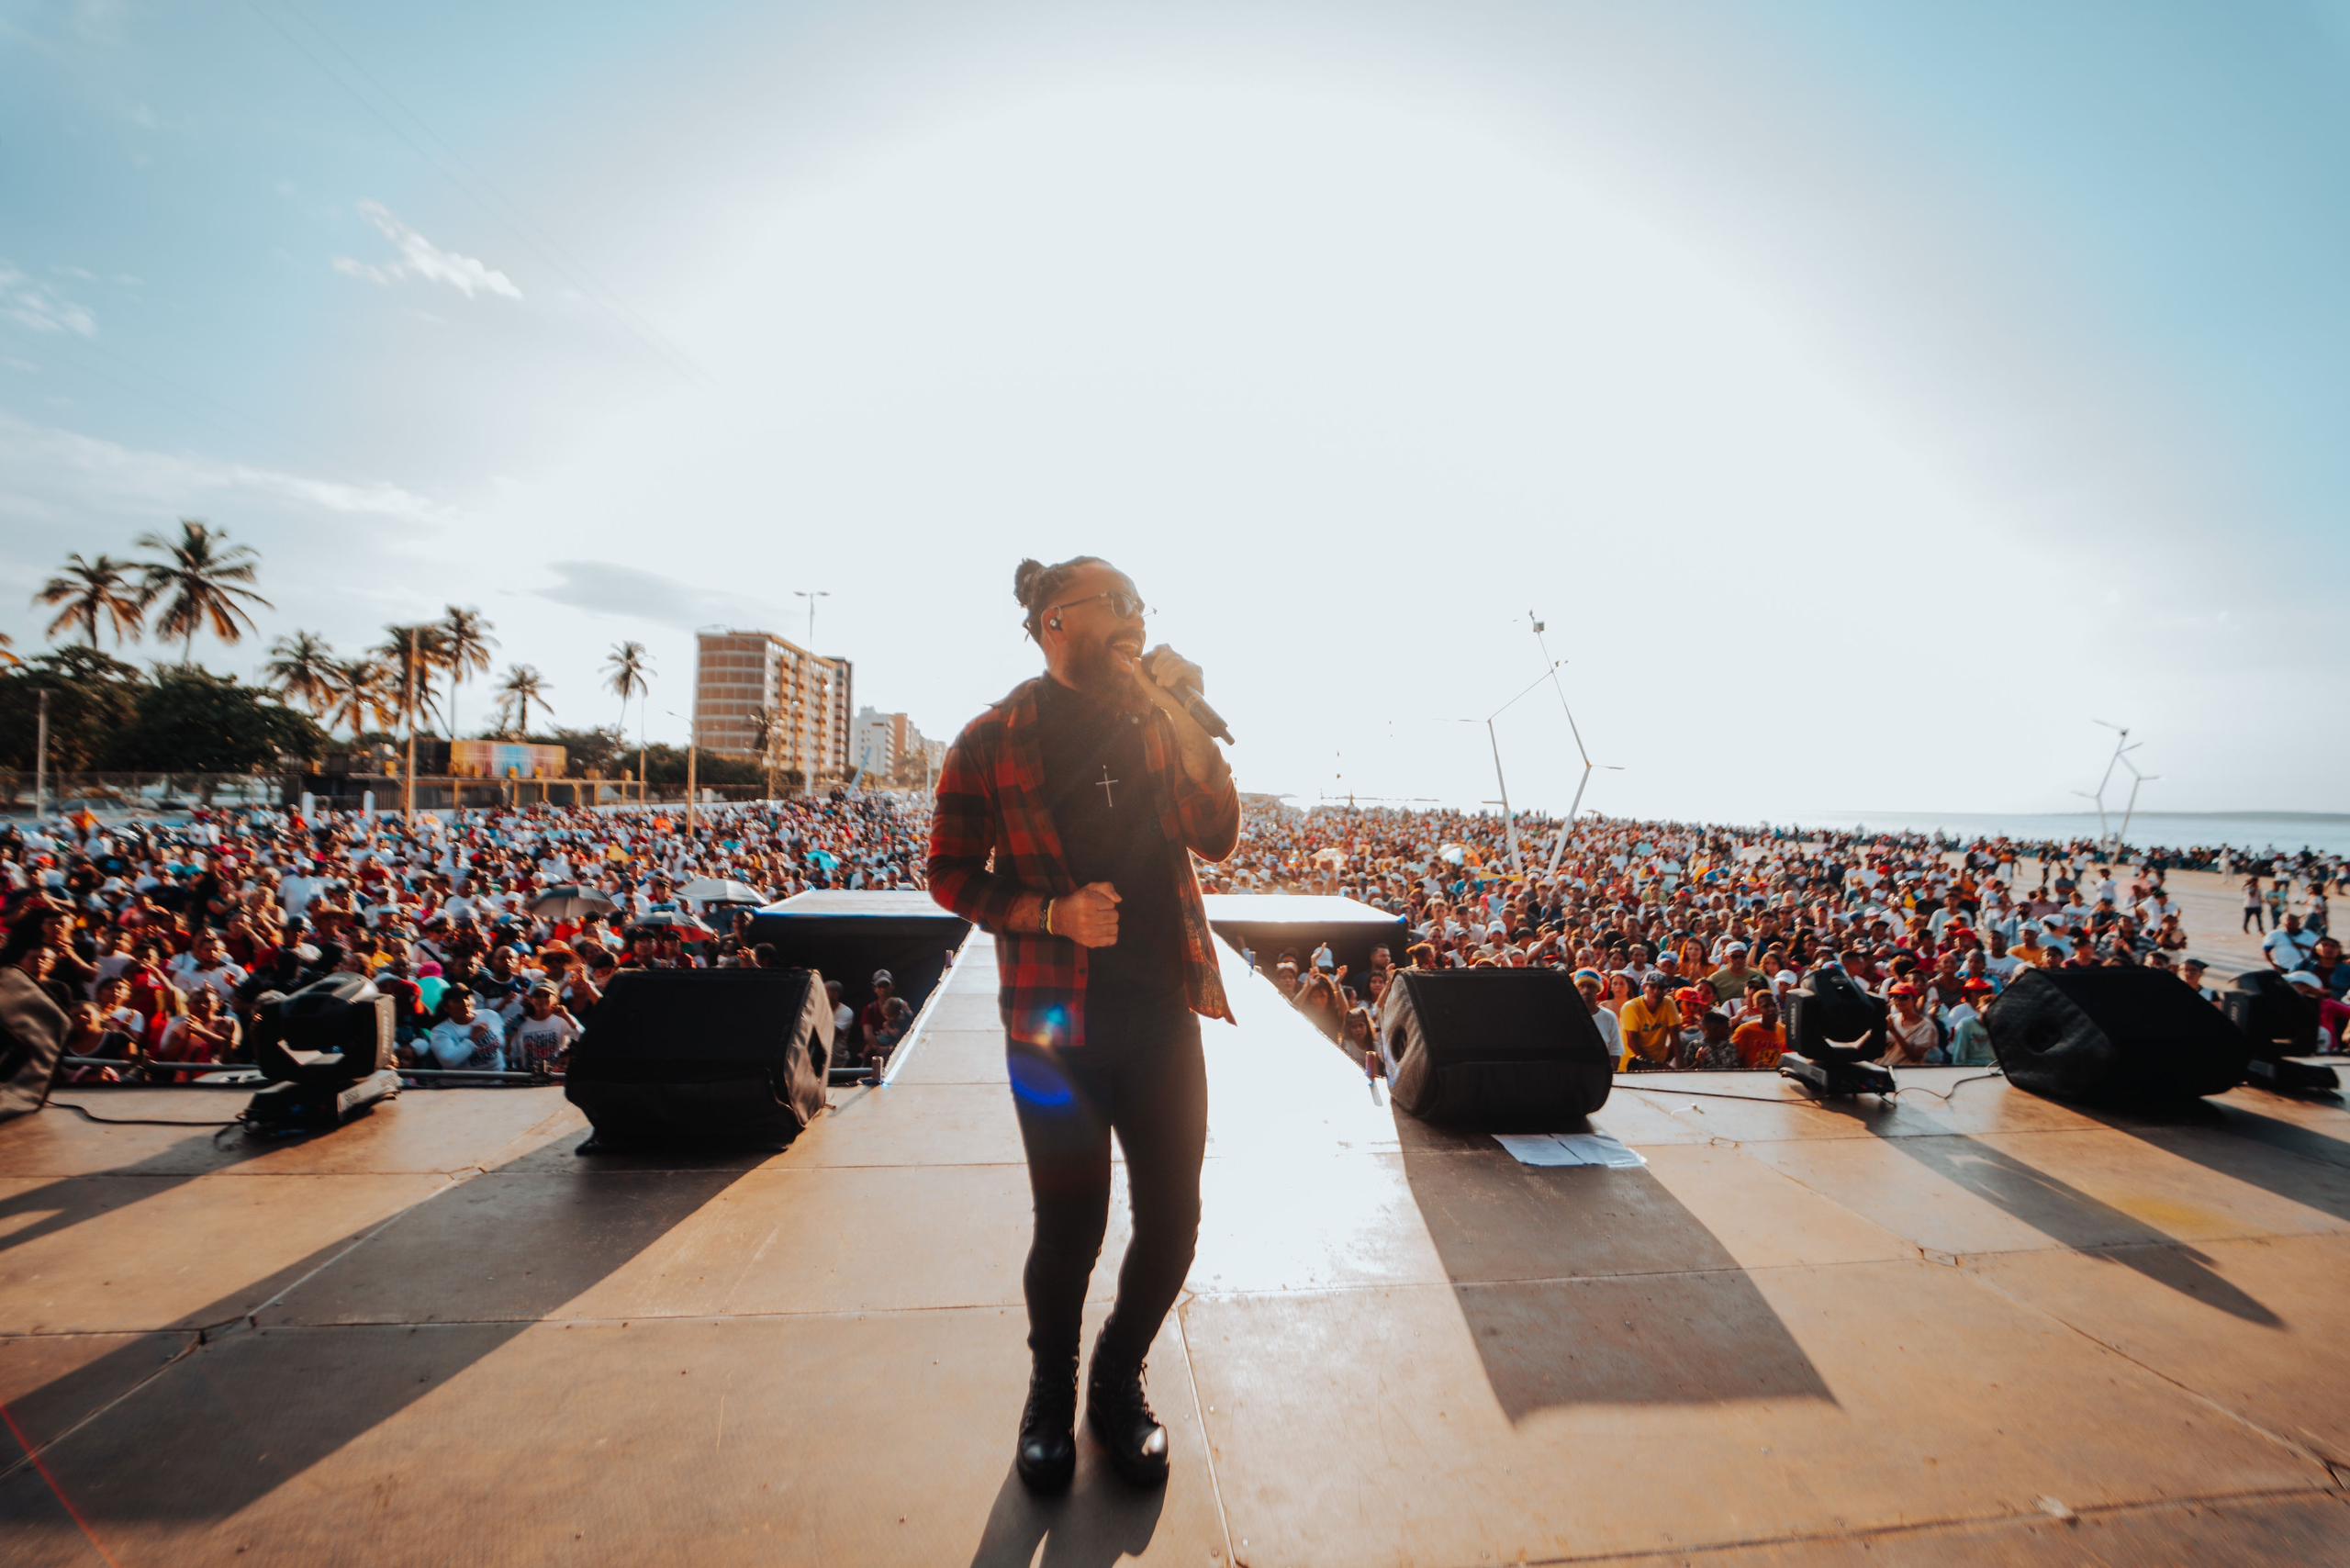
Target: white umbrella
718, 889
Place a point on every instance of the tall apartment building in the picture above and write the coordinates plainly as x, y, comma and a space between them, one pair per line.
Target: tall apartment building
879, 741
754, 685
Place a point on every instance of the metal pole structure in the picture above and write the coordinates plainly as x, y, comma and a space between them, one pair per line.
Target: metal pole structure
2136, 778
407, 788
1509, 823
1559, 842
693, 750
2084, 795
812, 596
40, 760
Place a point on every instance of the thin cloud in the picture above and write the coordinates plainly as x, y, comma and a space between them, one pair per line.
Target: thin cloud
30, 304
608, 589
49, 468
421, 258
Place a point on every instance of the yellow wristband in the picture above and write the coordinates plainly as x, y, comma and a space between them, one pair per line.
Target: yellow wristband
1048, 917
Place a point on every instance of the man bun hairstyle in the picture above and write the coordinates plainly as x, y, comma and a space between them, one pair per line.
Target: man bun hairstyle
1037, 586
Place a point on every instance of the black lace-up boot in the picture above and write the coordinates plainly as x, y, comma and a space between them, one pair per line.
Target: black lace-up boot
1047, 1455
1119, 1412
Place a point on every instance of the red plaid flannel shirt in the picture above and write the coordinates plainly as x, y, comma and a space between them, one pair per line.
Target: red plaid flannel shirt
992, 839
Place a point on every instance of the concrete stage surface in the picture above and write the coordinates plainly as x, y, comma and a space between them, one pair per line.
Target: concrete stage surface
1989, 1329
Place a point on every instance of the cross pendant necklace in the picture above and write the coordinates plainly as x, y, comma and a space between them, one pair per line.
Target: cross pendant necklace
1103, 784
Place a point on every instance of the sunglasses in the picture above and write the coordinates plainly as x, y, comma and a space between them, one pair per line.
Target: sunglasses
1124, 605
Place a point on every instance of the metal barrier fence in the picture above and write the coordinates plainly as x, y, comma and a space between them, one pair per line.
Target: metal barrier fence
233, 1075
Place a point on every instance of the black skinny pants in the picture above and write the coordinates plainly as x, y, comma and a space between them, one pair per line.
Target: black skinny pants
1140, 1075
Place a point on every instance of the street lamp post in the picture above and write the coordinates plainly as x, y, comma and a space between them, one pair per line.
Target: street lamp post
407, 787
693, 753
40, 760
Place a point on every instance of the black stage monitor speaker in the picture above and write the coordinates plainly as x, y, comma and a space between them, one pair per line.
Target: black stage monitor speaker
2113, 1035
2273, 1015
32, 1042
327, 1049
704, 1056
1496, 1048
2282, 1025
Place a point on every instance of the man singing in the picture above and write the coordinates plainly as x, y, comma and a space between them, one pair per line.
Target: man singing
1091, 787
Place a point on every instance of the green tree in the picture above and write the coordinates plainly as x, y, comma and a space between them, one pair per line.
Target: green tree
587, 751
92, 593
190, 720
466, 643
427, 646
666, 764
92, 695
523, 686
206, 581
364, 694
302, 669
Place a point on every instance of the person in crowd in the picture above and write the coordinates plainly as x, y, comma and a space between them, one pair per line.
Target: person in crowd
205, 1033
1317, 998
1969, 1039
874, 1018
1588, 985
1762, 1039
1652, 1025
897, 1018
542, 1034
1913, 1035
847, 1047
465, 1037
2289, 946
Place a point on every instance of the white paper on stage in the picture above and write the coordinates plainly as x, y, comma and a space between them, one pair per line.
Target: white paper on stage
1570, 1148
1602, 1148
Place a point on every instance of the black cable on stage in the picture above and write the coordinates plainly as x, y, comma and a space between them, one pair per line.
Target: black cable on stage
143, 1121
1943, 1095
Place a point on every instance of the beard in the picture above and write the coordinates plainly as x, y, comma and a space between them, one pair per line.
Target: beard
1099, 671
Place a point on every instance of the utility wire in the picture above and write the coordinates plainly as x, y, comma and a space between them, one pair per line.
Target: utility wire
479, 189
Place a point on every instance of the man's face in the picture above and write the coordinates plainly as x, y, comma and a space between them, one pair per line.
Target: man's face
1097, 650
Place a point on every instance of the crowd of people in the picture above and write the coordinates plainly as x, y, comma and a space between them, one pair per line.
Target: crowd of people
495, 932
1686, 940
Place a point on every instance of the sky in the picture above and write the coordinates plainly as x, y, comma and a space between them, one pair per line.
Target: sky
1865, 399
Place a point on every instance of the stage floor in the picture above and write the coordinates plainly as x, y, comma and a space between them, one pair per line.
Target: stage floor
1985, 1330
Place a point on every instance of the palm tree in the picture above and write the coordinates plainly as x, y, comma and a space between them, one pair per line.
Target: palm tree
363, 691
627, 665
207, 580
523, 686
94, 591
630, 673
8, 659
302, 669
466, 643
428, 643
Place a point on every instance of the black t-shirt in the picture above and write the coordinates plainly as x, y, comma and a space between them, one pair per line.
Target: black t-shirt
1097, 787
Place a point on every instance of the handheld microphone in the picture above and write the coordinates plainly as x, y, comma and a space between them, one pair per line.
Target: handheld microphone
1205, 716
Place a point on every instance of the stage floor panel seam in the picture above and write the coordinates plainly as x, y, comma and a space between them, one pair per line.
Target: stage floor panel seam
2333, 1465
1865, 1533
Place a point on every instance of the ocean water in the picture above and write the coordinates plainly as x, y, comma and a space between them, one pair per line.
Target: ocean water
2257, 831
